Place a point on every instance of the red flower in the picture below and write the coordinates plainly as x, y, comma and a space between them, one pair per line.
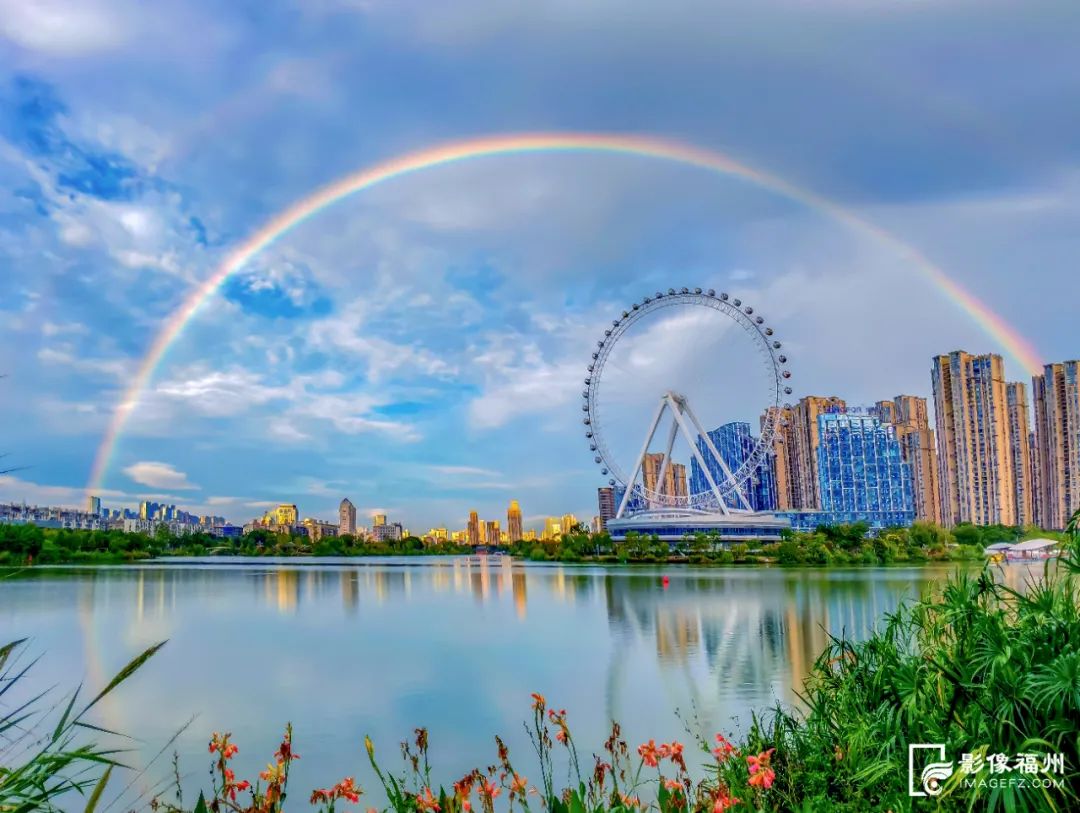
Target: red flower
724, 749
490, 789
649, 753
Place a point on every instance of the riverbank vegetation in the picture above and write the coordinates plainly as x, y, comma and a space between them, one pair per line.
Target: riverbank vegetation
23, 544
828, 545
990, 673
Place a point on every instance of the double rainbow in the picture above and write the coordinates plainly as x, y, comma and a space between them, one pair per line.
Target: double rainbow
1017, 347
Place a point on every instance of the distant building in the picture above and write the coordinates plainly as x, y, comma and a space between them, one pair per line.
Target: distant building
568, 523
491, 532
347, 518
1057, 441
387, 532
286, 514
605, 500
735, 444
378, 519
152, 526
513, 522
530, 535
861, 468
552, 528
93, 506
472, 530
975, 450
317, 529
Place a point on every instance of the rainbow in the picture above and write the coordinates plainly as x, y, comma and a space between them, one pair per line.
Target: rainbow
1017, 347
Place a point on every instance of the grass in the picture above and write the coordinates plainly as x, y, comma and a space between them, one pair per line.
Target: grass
50, 751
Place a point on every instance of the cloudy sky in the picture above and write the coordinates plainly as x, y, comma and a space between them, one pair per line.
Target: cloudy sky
419, 347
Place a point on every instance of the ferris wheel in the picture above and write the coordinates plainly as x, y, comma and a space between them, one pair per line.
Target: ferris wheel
641, 375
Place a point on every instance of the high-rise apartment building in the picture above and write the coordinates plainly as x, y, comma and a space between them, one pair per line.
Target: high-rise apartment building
650, 474
861, 468
974, 448
795, 449
513, 522
910, 416
347, 517
675, 482
605, 500
568, 523
1020, 452
780, 419
472, 531
1057, 440
735, 443
378, 520
491, 532
93, 505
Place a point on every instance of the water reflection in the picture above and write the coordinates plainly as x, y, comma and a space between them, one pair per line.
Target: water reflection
456, 644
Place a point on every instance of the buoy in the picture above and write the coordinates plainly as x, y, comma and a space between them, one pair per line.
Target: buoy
665, 581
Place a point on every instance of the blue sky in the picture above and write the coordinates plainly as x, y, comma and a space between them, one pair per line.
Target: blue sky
419, 347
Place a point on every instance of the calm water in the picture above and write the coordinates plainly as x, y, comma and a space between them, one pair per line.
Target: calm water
353, 647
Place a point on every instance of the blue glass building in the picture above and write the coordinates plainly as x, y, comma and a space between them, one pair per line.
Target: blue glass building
735, 443
861, 472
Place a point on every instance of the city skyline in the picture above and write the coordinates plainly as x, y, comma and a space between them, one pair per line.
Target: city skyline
1022, 462
427, 334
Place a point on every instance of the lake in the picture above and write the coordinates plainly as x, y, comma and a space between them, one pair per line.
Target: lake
344, 648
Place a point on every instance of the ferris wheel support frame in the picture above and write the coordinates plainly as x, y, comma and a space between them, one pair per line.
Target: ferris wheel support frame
678, 406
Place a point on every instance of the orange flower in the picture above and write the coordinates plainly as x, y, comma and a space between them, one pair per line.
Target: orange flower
538, 702
722, 802
649, 753
630, 801
489, 789
425, 801
519, 784
673, 784
761, 773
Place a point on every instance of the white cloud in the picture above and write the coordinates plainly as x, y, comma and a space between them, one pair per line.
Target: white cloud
464, 470
61, 28
158, 475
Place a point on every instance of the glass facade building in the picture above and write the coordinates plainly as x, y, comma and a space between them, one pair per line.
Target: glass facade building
735, 443
861, 470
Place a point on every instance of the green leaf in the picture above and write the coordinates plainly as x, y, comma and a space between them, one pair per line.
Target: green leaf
200, 806
124, 674
95, 797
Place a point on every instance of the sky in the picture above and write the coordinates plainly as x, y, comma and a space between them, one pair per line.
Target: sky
420, 347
